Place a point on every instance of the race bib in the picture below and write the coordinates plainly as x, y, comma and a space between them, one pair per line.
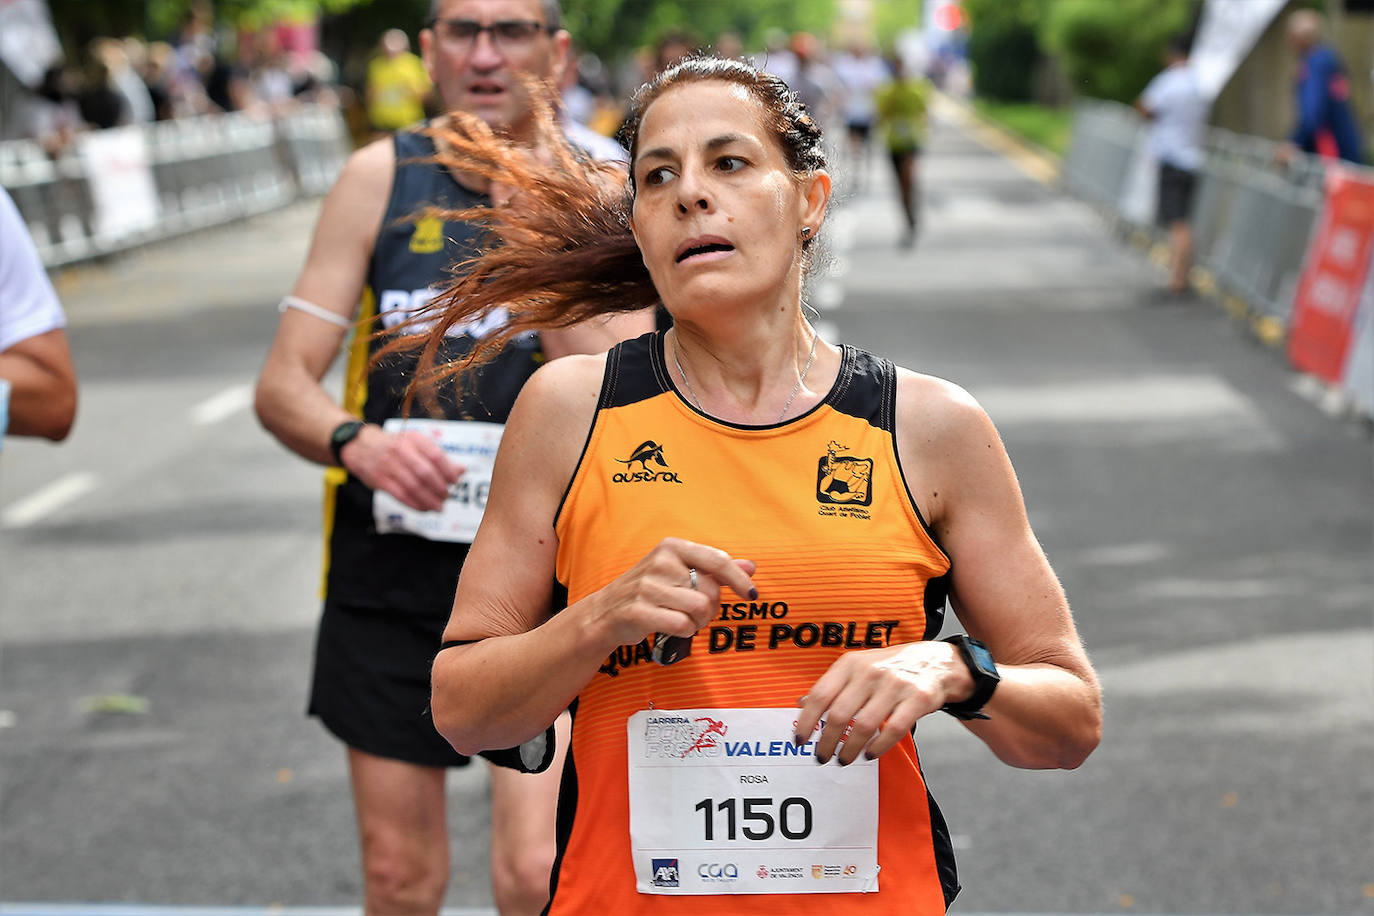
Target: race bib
468, 443
723, 802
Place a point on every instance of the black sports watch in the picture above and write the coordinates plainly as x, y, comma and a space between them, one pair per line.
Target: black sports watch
343, 434
985, 677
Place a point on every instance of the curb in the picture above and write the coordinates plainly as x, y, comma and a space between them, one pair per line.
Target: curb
1035, 161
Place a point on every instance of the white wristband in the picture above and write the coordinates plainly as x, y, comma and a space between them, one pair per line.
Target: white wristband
310, 308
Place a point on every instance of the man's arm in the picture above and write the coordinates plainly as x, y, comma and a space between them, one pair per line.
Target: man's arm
290, 400
42, 386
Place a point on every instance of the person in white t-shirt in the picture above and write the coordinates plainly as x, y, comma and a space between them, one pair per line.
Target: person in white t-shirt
1177, 111
37, 380
860, 72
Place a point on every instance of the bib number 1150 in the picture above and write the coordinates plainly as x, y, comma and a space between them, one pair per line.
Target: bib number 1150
792, 818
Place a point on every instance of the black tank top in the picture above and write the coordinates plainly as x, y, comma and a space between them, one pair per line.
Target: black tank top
410, 261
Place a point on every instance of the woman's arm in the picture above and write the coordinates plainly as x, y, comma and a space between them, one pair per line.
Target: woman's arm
518, 665
1046, 712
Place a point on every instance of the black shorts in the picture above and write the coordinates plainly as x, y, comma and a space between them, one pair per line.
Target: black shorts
900, 158
371, 682
1176, 187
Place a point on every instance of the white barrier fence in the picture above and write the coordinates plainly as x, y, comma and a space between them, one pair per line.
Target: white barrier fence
114, 189
1254, 230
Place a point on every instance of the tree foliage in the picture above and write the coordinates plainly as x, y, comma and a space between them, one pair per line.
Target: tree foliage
1004, 46
612, 28
1111, 50
1106, 48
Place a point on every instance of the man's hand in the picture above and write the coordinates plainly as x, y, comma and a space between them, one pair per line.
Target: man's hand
409, 466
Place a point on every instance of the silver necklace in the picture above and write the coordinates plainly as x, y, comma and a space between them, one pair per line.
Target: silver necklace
811, 357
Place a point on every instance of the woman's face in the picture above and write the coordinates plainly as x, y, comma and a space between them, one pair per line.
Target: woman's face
717, 213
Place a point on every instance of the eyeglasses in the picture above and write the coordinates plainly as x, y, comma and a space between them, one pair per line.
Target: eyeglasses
508, 35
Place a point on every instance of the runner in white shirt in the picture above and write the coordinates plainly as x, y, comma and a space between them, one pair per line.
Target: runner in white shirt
860, 72
37, 380
1178, 112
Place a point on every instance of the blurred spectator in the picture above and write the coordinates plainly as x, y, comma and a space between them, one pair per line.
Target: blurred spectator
37, 380
135, 104
53, 115
815, 83
860, 72
1177, 111
156, 71
102, 107
1326, 123
579, 102
776, 58
901, 120
671, 47
270, 73
728, 45
133, 82
229, 83
314, 79
192, 63
577, 107
397, 84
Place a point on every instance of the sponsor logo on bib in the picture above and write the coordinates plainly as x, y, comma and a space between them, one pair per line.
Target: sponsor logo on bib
665, 872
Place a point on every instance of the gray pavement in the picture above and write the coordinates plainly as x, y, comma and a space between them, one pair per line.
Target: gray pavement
1214, 531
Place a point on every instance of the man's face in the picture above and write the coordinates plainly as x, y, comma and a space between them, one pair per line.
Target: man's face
478, 50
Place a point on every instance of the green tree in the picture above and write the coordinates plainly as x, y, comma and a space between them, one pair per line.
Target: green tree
1110, 50
614, 28
1004, 46
79, 21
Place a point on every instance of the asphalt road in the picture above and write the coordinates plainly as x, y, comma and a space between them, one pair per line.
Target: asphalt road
1214, 530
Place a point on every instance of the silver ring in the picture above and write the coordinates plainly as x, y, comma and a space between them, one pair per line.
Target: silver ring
691, 578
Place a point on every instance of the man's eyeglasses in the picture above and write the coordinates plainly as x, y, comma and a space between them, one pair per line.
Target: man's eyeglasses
508, 35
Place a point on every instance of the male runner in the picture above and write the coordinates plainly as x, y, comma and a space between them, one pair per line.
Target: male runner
402, 504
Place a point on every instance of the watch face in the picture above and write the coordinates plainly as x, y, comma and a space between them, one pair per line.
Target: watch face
982, 657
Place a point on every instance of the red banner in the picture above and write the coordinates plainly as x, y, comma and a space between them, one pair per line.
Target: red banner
1333, 277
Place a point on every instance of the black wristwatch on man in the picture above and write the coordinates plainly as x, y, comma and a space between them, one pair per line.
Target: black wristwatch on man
985, 678
343, 434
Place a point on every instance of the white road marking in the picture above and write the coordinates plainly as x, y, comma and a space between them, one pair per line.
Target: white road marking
1109, 400
223, 405
48, 499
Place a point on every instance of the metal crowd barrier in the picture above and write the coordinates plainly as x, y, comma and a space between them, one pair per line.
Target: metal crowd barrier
204, 171
1251, 219
1103, 143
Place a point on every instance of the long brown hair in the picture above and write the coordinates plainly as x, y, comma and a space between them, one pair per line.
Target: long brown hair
562, 252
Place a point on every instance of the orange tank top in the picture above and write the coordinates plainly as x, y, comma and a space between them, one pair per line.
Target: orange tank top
845, 562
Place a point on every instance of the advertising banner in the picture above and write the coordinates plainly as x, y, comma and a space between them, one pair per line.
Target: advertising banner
1334, 275
28, 42
1359, 365
122, 188
1226, 32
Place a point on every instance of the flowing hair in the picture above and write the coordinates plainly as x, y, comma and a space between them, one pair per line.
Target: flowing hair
561, 252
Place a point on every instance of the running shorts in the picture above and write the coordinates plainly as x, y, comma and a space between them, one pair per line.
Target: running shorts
371, 683
1175, 193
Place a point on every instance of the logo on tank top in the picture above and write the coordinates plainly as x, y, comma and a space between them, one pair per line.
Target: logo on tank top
428, 236
843, 481
648, 455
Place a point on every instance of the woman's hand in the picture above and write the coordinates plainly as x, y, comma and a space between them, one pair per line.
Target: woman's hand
871, 699
656, 594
